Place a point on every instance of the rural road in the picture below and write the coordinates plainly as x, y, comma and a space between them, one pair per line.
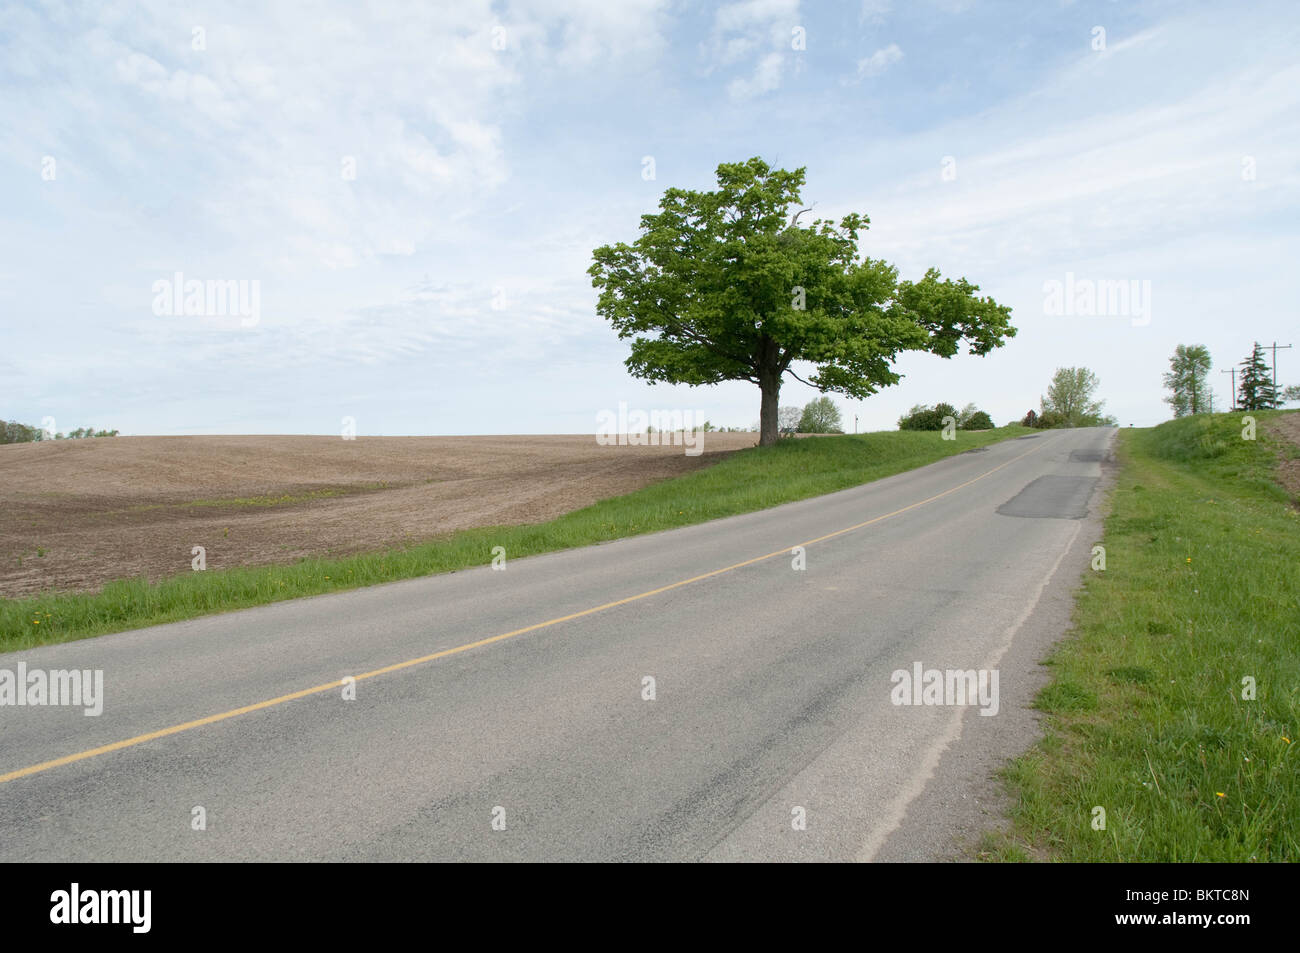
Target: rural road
772, 693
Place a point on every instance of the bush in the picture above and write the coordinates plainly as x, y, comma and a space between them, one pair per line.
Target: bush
977, 421
922, 417
1050, 420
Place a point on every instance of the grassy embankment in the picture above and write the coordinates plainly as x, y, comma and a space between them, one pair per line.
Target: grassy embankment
1149, 710
742, 482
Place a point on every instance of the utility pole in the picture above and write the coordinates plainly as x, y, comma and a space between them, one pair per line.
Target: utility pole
1277, 347
855, 423
1233, 372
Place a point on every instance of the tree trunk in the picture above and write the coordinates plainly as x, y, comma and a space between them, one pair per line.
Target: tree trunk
770, 385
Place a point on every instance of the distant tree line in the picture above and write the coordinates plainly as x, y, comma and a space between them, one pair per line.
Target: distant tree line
11, 431
1188, 382
925, 417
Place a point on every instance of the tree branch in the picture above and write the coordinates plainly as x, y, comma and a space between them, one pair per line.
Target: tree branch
798, 378
709, 345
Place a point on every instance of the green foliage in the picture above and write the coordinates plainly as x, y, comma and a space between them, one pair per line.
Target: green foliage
971, 417
922, 417
1069, 400
13, 432
1188, 380
820, 416
726, 285
1050, 420
1255, 390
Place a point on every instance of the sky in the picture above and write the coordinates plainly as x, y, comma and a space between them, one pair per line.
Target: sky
408, 195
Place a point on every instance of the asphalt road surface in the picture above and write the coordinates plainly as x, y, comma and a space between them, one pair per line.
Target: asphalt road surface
508, 715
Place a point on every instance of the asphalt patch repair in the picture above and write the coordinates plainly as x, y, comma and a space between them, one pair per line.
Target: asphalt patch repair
1052, 497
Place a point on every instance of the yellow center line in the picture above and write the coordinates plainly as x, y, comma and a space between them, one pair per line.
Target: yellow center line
397, 667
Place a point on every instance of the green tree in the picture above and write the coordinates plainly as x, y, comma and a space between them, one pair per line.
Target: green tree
820, 415
1069, 400
1290, 395
726, 285
971, 417
923, 417
1256, 391
11, 431
1188, 380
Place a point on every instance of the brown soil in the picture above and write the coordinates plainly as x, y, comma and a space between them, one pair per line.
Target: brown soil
78, 513
1287, 428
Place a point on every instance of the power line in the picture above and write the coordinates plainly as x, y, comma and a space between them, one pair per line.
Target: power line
1277, 347
1233, 372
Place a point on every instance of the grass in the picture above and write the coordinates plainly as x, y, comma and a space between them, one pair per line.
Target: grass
742, 482
1146, 714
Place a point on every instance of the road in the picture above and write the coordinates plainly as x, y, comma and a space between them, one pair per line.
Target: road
504, 715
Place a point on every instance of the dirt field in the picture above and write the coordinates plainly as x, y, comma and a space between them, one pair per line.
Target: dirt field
78, 513
1287, 428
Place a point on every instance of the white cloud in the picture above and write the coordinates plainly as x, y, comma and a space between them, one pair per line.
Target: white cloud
754, 28
879, 61
873, 11
488, 168
767, 77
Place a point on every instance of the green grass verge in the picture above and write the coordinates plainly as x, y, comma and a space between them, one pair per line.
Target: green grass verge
1146, 715
744, 481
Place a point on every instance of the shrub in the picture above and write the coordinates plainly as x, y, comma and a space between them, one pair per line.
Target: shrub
922, 417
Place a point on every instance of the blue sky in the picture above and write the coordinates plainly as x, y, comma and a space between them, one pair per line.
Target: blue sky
443, 289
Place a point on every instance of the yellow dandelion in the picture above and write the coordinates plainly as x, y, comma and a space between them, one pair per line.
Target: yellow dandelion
1219, 794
